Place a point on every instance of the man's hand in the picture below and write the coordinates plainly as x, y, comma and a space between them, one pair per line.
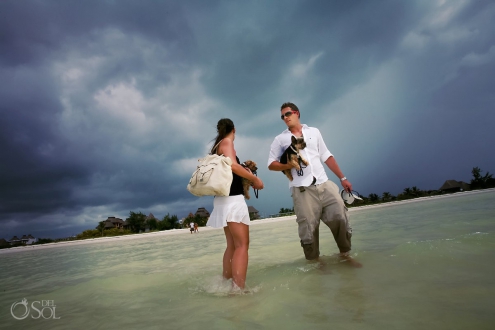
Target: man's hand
347, 185
277, 166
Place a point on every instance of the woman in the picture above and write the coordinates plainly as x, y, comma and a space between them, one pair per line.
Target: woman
231, 212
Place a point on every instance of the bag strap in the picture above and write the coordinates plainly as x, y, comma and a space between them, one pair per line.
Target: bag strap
215, 146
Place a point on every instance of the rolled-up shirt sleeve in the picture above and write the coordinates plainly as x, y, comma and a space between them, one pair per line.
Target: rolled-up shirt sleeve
276, 151
322, 148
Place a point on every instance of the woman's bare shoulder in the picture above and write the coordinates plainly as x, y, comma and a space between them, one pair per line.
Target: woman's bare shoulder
227, 147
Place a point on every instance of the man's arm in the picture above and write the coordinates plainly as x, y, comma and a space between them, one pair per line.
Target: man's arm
278, 166
273, 158
334, 167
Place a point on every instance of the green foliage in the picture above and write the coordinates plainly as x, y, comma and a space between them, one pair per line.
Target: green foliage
286, 210
413, 192
43, 241
373, 198
386, 196
481, 182
136, 221
95, 233
201, 221
168, 222
152, 224
101, 227
90, 233
116, 232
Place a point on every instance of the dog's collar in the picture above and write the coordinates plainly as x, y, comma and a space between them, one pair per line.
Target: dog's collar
294, 149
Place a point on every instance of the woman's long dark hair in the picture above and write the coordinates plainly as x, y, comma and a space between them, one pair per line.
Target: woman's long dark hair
224, 127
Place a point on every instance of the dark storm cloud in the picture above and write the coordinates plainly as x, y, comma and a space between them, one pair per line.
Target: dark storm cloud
106, 105
33, 29
44, 169
353, 37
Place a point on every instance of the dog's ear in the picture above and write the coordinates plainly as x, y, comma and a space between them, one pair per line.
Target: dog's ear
293, 139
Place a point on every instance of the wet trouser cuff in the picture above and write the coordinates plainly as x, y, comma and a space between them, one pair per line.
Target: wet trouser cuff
311, 251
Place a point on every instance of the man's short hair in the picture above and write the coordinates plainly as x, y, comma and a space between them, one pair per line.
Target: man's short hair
292, 106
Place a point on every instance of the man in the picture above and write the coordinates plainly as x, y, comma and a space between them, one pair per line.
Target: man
314, 196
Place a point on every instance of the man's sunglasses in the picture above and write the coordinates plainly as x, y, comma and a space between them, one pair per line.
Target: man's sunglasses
287, 114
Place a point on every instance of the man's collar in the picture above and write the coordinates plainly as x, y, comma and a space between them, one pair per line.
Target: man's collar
304, 126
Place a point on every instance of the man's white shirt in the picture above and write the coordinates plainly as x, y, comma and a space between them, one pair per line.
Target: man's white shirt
316, 153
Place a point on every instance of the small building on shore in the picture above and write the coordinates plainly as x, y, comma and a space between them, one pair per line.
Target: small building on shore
253, 213
28, 239
202, 212
113, 222
24, 240
15, 240
451, 186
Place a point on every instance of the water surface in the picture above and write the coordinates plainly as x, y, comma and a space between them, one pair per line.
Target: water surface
427, 265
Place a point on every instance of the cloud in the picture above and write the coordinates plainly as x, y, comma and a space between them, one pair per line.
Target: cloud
473, 59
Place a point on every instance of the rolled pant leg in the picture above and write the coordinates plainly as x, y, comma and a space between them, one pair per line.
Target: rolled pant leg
335, 216
308, 211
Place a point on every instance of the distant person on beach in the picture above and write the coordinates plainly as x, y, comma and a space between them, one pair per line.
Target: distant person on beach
315, 197
196, 228
191, 225
231, 212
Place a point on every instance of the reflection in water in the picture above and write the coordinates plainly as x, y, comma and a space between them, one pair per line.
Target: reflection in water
350, 296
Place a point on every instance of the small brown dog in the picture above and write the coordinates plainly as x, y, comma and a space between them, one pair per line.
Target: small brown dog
291, 156
246, 184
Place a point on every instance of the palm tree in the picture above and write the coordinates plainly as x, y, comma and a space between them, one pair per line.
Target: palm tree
101, 227
415, 191
373, 198
386, 196
480, 181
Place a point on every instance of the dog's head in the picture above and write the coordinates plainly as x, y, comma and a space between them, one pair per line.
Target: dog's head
251, 165
298, 143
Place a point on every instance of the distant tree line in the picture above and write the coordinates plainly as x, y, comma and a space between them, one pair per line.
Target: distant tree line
478, 181
286, 211
137, 222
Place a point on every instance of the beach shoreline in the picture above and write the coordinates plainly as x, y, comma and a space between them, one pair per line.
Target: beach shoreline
253, 223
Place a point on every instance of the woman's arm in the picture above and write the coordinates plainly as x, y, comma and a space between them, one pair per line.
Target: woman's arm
226, 148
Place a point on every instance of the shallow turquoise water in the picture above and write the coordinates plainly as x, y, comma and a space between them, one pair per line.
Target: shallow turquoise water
426, 265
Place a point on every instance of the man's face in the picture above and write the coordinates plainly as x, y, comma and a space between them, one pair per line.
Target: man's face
289, 116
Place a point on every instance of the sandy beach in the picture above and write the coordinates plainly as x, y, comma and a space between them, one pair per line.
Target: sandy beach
253, 223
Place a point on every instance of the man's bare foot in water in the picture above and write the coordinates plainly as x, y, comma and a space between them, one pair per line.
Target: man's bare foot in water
323, 265
345, 257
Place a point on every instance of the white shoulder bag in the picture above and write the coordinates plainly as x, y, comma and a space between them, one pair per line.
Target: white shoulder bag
212, 177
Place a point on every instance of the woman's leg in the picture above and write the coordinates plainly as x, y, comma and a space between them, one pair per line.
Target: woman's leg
240, 235
228, 254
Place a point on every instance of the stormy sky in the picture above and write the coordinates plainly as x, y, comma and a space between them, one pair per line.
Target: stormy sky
107, 105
